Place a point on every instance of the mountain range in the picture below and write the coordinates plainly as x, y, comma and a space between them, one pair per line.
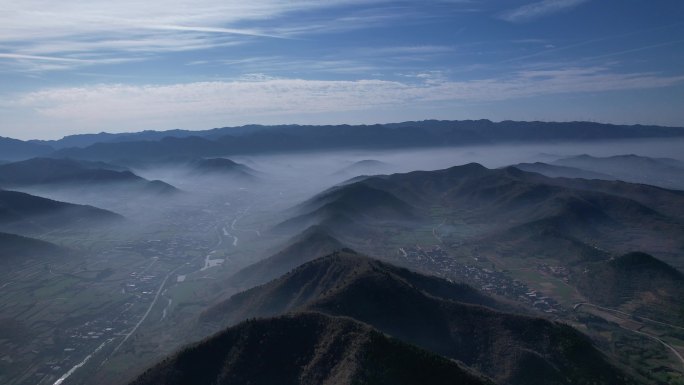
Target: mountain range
449, 319
503, 204
153, 145
14, 149
591, 227
605, 232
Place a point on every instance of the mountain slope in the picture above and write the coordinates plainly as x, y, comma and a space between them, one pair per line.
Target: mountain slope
350, 207
15, 249
557, 237
442, 317
502, 204
26, 213
75, 173
303, 349
322, 276
660, 199
505, 191
313, 243
635, 282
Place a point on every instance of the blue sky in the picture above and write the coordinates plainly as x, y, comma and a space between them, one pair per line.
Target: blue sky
88, 66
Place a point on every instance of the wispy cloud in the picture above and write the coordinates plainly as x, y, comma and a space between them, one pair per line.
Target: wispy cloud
304, 65
358, 61
230, 31
142, 29
255, 98
149, 45
539, 9
41, 58
41, 63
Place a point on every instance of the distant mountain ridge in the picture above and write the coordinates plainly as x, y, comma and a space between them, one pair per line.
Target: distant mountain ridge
13, 149
84, 140
153, 145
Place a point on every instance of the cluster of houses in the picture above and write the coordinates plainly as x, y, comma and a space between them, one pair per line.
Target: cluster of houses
436, 260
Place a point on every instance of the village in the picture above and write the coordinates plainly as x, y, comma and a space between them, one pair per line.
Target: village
434, 259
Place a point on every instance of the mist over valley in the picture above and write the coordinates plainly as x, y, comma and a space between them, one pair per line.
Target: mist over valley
292, 192
111, 265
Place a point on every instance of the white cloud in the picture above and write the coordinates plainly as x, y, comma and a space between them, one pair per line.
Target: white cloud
229, 31
539, 9
33, 19
256, 98
67, 28
41, 63
41, 58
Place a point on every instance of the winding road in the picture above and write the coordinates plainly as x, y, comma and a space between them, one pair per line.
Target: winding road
668, 346
672, 349
577, 306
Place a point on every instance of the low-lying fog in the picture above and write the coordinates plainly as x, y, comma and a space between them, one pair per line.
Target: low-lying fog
326, 167
282, 180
